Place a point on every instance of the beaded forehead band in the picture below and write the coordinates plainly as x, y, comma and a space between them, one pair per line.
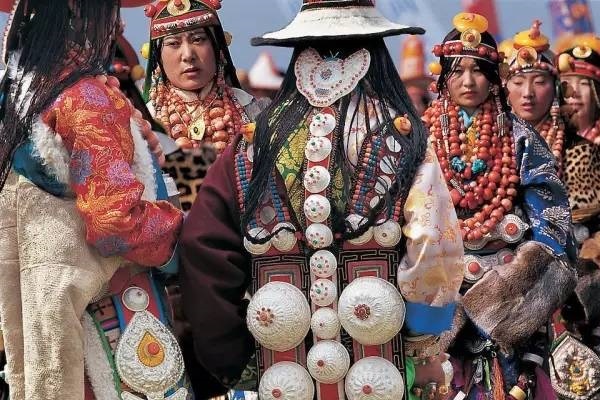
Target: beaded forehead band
471, 26
578, 60
174, 16
531, 52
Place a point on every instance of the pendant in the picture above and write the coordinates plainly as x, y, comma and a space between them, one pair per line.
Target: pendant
197, 130
148, 358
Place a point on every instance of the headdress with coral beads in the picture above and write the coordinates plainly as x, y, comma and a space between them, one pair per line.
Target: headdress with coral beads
582, 59
174, 16
531, 52
470, 26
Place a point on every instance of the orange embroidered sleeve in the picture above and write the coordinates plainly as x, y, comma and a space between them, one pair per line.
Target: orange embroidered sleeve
93, 120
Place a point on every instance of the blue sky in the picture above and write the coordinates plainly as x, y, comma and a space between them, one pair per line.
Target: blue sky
248, 18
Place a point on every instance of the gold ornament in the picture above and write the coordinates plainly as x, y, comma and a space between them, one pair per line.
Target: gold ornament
564, 63
228, 38
517, 393
582, 51
464, 21
526, 56
579, 382
587, 40
150, 352
532, 38
197, 130
137, 73
470, 38
178, 9
403, 125
435, 68
506, 47
248, 131
145, 50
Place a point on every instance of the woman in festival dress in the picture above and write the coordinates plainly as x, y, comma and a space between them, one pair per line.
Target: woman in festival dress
533, 87
193, 89
576, 333
335, 213
82, 218
514, 218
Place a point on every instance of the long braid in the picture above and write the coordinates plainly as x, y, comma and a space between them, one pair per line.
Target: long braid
290, 108
57, 47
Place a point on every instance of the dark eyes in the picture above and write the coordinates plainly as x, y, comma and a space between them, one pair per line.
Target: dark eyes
193, 39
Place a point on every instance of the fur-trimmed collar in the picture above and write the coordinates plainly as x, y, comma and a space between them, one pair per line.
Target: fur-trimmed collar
48, 145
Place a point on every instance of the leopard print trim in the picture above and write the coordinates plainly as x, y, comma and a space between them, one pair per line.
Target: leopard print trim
582, 175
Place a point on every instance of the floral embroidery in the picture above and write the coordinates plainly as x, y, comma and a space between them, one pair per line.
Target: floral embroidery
544, 196
94, 95
108, 118
559, 216
432, 269
94, 121
81, 166
119, 173
156, 227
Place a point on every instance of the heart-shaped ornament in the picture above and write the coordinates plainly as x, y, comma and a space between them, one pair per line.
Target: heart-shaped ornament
324, 81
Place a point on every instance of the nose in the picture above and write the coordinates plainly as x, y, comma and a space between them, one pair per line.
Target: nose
187, 53
469, 79
528, 91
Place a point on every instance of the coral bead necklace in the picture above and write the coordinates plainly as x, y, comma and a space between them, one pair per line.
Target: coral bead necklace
214, 119
553, 131
478, 164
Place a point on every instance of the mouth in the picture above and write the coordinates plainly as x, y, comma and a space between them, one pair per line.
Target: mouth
469, 94
191, 70
527, 106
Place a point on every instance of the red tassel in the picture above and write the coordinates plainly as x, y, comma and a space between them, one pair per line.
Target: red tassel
498, 381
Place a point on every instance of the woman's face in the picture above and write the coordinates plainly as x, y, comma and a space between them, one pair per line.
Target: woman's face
530, 95
582, 100
188, 59
467, 85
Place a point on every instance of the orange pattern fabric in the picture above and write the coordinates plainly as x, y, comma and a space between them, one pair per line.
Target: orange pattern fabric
93, 121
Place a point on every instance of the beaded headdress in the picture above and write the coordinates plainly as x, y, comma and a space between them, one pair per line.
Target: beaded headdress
582, 59
470, 44
334, 20
531, 52
174, 16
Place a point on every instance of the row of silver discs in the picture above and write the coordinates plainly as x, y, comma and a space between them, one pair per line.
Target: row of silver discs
370, 309
317, 207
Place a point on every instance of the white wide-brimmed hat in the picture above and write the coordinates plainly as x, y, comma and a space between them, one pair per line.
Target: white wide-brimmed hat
334, 19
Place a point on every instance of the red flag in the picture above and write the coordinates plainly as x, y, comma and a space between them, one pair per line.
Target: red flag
487, 8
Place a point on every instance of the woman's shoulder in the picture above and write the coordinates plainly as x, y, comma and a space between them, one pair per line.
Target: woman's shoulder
94, 93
